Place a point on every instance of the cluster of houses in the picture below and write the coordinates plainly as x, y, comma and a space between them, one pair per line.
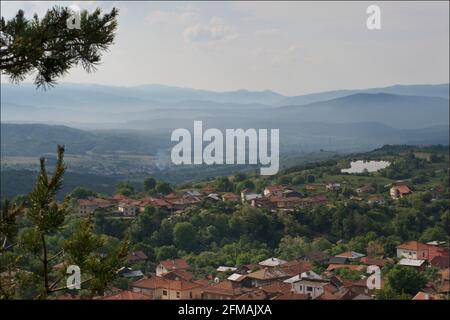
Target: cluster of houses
277, 279
124, 206
273, 197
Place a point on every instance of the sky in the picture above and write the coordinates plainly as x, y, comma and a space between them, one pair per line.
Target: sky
289, 47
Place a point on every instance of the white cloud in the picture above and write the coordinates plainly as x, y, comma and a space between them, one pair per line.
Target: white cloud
171, 17
214, 30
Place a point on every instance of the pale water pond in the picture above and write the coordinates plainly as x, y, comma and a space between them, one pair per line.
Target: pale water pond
360, 166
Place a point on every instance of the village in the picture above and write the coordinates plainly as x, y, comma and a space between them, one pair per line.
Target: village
273, 197
277, 279
313, 276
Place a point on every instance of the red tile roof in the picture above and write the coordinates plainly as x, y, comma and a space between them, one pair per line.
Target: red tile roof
253, 295
225, 287
159, 282
128, 295
373, 261
180, 274
175, 264
440, 262
296, 267
97, 202
413, 245
292, 296
277, 288
230, 195
274, 188
402, 189
332, 267
136, 256
425, 296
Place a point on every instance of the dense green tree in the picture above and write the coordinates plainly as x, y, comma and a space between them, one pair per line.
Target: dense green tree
82, 193
238, 177
125, 188
163, 188
223, 184
166, 252
283, 179
246, 184
145, 224
291, 248
149, 184
298, 180
403, 279
184, 236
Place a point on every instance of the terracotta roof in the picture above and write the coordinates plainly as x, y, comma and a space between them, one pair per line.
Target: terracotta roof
445, 274
296, 267
328, 292
402, 189
180, 274
440, 262
128, 295
174, 264
285, 199
136, 256
376, 198
445, 287
225, 287
97, 202
274, 188
332, 267
291, 296
276, 288
118, 197
373, 261
150, 283
230, 195
128, 203
344, 294
253, 295
161, 203
159, 282
425, 296
413, 245
203, 282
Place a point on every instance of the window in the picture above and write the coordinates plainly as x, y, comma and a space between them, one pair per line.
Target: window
190, 294
178, 295
309, 289
164, 292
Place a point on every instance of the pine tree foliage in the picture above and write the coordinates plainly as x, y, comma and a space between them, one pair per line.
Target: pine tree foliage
48, 48
97, 259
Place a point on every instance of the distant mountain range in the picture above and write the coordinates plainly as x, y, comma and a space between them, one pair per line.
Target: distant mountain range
338, 120
107, 98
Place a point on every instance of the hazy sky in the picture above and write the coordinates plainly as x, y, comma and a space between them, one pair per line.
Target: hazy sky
289, 47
